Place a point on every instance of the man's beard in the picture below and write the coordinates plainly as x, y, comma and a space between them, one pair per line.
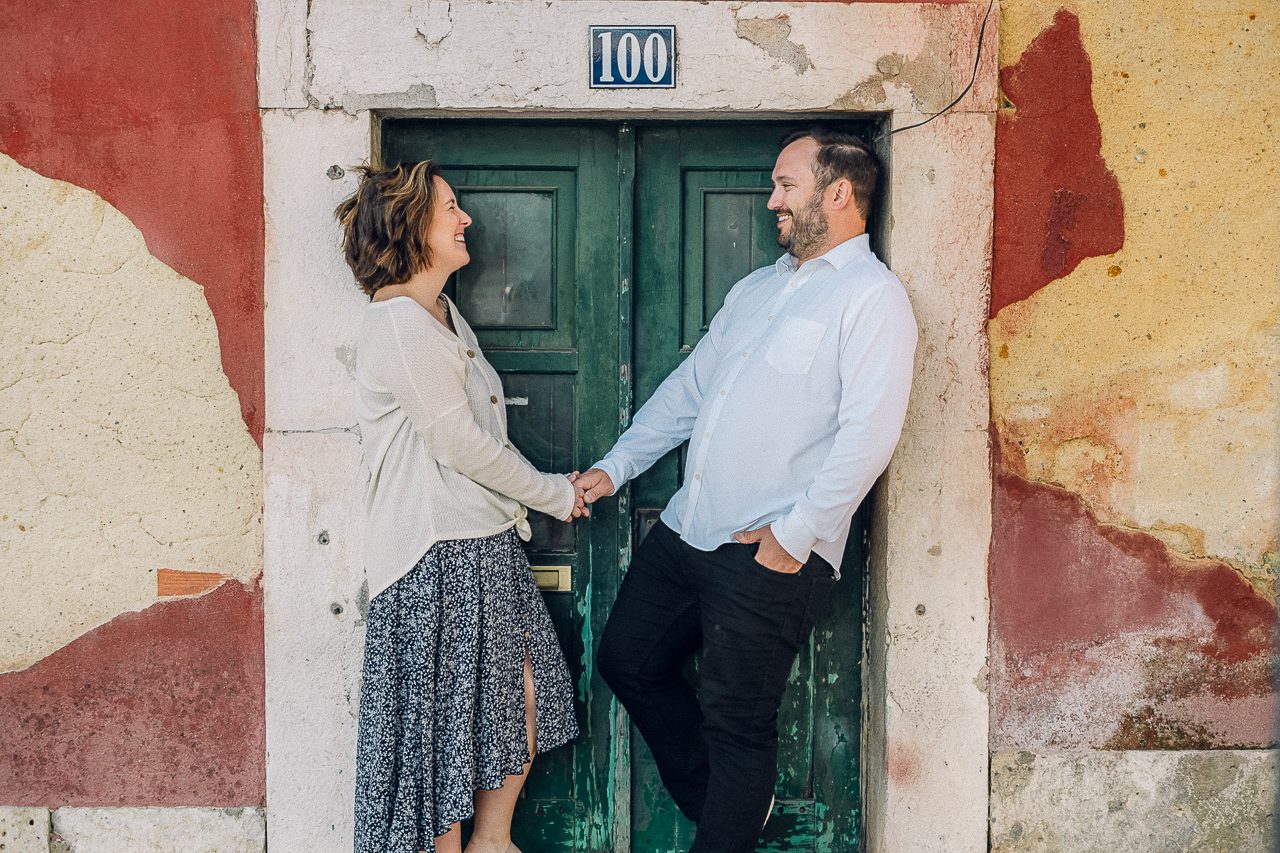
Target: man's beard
808, 231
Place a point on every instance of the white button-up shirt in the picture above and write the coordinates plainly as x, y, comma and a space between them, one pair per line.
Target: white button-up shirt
792, 404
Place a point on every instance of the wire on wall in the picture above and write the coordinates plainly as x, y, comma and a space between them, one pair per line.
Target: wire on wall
977, 60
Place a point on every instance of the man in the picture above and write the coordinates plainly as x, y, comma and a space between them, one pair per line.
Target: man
792, 404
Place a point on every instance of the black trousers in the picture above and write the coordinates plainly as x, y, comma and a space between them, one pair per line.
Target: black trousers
717, 749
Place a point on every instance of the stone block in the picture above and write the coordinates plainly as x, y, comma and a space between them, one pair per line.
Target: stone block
315, 611
160, 830
929, 642
282, 53
24, 829
313, 306
1218, 801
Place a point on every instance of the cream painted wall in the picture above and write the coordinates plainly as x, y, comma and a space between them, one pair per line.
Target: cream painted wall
122, 447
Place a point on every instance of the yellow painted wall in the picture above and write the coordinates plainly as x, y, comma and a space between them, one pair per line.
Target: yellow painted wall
1146, 381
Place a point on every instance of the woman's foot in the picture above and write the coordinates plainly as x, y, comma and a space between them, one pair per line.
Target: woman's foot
479, 845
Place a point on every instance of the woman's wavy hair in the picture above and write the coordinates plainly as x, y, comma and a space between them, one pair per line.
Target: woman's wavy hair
384, 223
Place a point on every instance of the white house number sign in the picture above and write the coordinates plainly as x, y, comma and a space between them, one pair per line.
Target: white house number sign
633, 57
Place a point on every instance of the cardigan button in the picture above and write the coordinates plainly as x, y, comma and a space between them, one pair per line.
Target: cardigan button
493, 399
471, 353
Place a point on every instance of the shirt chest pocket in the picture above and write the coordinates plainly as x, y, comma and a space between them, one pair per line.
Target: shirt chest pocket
793, 346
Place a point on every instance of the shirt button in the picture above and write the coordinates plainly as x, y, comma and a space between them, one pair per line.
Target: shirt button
697, 476
471, 353
770, 318
723, 392
745, 354
493, 399
706, 435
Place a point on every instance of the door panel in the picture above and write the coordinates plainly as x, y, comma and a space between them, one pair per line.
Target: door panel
729, 233
541, 292
688, 256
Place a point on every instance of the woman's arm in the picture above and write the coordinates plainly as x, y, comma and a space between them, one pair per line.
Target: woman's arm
426, 377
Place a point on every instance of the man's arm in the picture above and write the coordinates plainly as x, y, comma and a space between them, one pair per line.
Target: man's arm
666, 419
876, 361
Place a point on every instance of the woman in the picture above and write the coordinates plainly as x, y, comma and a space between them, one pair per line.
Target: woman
463, 677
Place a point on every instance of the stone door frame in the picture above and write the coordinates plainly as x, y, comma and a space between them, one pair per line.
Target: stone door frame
329, 70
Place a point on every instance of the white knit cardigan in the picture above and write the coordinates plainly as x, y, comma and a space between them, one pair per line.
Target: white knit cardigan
433, 427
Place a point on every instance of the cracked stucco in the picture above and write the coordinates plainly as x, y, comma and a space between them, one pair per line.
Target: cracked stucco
925, 74
511, 54
122, 448
433, 21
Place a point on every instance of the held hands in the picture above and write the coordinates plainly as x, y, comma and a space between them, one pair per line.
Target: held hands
770, 554
579, 503
588, 488
595, 484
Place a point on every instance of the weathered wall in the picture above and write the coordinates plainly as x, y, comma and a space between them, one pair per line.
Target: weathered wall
131, 664
1133, 401
1134, 411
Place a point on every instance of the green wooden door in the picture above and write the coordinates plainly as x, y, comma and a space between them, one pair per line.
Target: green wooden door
600, 251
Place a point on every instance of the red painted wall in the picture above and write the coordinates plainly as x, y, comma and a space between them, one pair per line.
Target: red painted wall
153, 105
160, 708
1056, 203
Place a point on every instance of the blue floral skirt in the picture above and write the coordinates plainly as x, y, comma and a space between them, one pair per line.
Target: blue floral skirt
442, 711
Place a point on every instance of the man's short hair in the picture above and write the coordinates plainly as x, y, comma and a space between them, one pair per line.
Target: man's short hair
842, 155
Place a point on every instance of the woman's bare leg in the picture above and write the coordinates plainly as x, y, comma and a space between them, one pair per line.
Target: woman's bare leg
451, 841
494, 808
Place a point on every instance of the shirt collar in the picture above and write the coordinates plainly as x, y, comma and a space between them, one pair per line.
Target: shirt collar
838, 257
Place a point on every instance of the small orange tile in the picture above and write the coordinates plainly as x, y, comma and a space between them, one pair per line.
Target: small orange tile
177, 582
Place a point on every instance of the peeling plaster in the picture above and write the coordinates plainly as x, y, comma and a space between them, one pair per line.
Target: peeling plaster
153, 106
163, 707
1199, 470
1133, 367
122, 449
420, 95
433, 21
773, 36
925, 74
1102, 637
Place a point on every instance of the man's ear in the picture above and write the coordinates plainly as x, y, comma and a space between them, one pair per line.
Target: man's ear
842, 194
